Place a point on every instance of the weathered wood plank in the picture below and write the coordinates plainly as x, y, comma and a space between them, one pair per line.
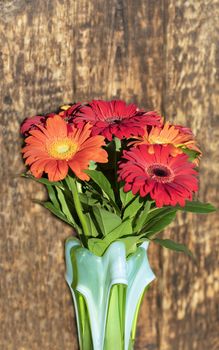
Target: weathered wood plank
190, 291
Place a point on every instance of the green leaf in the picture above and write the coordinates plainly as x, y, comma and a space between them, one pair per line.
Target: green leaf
92, 165
64, 205
97, 246
197, 207
141, 219
125, 197
73, 187
124, 229
106, 220
104, 185
56, 212
156, 212
130, 244
178, 247
191, 153
132, 208
88, 199
43, 180
93, 230
52, 196
70, 202
118, 144
159, 222
102, 182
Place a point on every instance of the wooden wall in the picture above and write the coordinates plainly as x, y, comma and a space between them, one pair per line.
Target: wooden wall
162, 54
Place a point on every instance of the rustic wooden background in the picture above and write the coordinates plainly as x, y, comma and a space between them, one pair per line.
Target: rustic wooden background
162, 54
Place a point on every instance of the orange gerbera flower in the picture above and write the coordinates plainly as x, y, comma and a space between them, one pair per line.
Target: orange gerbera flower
57, 146
168, 134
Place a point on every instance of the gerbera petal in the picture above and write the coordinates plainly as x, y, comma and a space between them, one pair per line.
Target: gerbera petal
56, 127
31, 123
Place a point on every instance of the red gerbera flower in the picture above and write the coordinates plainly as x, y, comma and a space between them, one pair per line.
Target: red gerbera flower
31, 123
169, 180
67, 112
115, 118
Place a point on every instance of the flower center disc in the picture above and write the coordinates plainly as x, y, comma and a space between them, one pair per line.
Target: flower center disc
113, 120
159, 140
160, 173
62, 149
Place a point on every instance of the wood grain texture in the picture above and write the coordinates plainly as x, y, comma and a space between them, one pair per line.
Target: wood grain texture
162, 54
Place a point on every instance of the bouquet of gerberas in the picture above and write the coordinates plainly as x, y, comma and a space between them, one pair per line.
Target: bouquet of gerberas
118, 175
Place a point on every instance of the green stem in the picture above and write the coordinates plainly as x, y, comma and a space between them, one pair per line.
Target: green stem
84, 330
115, 323
72, 186
115, 159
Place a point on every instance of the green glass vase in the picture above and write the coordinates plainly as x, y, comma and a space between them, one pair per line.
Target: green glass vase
107, 293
